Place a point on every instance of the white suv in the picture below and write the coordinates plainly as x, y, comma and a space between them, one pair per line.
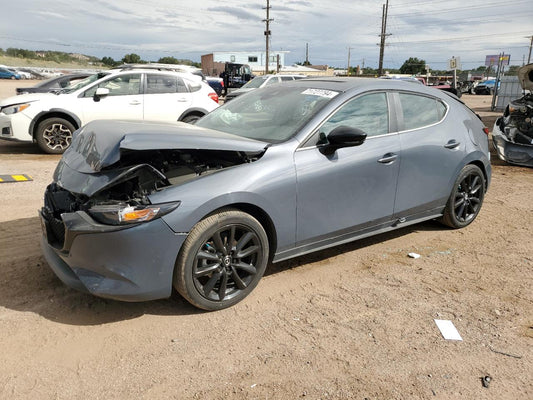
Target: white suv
130, 93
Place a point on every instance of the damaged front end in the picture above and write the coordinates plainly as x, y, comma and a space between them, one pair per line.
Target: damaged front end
100, 202
513, 132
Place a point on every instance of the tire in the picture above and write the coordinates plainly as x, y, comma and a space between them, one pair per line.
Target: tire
466, 198
192, 118
54, 135
212, 272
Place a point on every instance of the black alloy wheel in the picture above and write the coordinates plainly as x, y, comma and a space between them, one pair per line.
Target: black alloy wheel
466, 199
222, 260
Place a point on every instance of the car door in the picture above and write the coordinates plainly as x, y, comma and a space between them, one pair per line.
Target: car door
354, 188
166, 97
431, 151
124, 101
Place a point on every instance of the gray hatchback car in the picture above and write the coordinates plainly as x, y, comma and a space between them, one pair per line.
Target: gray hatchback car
136, 209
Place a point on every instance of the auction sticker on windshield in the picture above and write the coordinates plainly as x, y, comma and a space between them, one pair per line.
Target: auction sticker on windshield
321, 92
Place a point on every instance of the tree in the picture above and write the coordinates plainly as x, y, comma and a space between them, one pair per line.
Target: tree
413, 66
169, 60
109, 61
132, 59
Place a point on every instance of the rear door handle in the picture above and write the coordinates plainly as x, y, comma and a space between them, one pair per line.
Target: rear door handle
388, 158
452, 144
135, 102
182, 100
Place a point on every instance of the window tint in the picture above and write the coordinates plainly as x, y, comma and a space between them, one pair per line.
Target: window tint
161, 84
419, 111
287, 78
368, 112
119, 86
157, 83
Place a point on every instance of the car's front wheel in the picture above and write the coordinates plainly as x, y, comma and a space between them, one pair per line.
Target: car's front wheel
466, 198
222, 260
54, 135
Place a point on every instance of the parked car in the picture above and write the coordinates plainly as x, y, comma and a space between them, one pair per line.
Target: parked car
273, 174
135, 94
512, 134
262, 81
54, 84
8, 74
216, 83
485, 87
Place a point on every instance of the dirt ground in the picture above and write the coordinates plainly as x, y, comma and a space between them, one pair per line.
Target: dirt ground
352, 322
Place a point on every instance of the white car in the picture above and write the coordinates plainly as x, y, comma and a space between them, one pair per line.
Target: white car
262, 81
130, 94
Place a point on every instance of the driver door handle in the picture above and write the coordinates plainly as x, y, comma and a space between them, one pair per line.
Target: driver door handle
135, 102
388, 158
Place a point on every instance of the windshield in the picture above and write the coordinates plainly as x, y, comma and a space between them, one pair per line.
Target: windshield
84, 82
272, 114
255, 83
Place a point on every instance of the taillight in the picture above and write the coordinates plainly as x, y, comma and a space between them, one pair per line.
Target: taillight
213, 96
486, 130
222, 83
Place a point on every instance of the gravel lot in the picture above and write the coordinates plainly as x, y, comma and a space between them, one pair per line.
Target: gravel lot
352, 322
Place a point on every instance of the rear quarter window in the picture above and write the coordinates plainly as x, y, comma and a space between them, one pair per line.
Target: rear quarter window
420, 111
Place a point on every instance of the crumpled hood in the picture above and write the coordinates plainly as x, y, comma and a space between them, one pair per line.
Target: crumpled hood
98, 144
525, 76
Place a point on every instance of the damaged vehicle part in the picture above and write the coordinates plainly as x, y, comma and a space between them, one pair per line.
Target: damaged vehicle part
512, 134
136, 209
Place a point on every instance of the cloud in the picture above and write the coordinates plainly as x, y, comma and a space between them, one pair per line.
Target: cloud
235, 12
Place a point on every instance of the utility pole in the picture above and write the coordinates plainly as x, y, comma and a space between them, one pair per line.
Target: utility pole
306, 54
383, 35
530, 46
348, 68
267, 32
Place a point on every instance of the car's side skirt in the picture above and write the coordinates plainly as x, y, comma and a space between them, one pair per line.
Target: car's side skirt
342, 238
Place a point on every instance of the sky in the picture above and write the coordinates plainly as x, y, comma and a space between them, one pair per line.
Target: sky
430, 30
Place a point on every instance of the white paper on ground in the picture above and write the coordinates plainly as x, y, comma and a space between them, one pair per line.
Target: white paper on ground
448, 330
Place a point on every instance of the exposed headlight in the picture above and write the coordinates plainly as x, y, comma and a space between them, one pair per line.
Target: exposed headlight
123, 214
14, 108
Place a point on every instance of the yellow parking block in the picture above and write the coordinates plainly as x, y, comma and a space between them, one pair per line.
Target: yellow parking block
15, 178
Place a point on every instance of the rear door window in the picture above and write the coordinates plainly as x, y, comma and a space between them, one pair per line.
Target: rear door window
420, 111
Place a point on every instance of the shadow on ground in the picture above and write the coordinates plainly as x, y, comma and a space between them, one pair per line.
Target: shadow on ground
27, 284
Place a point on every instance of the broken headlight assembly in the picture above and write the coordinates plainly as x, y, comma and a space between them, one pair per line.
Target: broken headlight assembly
124, 214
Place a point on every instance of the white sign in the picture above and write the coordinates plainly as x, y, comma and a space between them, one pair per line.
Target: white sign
454, 63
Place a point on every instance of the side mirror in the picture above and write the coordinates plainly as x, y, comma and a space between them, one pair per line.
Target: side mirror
343, 136
100, 92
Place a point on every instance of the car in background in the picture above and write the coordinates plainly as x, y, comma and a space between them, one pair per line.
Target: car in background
55, 83
137, 209
216, 83
6, 73
262, 81
512, 135
485, 87
133, 93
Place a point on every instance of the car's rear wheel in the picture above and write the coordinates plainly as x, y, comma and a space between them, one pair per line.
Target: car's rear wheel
54, 135
222, 260
466, 198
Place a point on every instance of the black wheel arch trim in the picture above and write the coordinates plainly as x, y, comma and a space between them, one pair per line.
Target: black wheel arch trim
53, 112
193, 111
